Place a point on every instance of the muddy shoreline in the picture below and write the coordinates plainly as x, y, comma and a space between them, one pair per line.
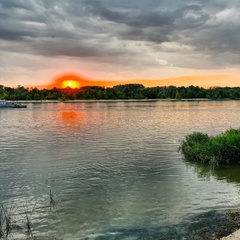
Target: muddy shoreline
212, 225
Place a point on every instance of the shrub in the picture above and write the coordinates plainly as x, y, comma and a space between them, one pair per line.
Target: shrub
221, 149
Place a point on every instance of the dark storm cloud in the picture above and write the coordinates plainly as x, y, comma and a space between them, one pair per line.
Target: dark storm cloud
153, 26
21, 4
6, 34
140, 20
146, 35
190, 16
3, 16
91, 28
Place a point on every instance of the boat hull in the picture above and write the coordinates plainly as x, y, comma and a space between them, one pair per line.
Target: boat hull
5, 104
17, 106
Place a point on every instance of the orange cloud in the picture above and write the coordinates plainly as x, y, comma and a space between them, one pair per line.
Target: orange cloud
77, 81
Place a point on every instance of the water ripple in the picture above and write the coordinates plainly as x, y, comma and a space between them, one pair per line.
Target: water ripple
110, 165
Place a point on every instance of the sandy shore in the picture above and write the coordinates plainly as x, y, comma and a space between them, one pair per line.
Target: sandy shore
233, 236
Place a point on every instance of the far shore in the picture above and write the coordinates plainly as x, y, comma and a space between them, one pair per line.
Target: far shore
118, 100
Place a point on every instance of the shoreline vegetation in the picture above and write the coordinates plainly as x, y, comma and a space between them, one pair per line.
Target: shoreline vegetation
125, 92
110, 100
215, 152
212, 150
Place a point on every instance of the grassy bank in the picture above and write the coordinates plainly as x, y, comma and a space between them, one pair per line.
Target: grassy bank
214, 150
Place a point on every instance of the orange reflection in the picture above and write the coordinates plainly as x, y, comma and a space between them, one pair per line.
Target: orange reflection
72, 119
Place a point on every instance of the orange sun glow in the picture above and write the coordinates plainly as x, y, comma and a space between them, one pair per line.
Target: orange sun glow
70, 84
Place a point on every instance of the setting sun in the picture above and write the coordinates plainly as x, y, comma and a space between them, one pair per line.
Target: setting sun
70, 84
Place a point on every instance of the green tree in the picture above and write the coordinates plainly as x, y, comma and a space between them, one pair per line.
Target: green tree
178, 96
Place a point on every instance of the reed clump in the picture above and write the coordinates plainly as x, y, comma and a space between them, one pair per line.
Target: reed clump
9, 226
213, 150
52, 201
6, 223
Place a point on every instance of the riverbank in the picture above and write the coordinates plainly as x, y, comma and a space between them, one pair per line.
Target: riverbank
112, 100
212, 225
233, 236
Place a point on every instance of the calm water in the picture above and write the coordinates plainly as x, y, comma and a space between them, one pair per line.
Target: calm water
111, 166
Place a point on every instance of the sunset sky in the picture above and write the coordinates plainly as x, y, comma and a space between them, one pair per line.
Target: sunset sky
120, 40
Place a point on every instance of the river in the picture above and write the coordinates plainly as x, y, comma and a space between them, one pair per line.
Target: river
113, 167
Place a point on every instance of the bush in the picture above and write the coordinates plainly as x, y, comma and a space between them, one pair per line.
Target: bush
222, 149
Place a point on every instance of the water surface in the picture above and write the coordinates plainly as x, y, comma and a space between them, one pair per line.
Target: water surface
111, 166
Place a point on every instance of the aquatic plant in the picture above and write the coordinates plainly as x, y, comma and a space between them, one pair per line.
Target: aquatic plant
6, 223
214, 150
52, 201
1, 223
28, 216
9, 227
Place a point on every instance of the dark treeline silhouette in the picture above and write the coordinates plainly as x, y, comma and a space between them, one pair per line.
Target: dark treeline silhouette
128, 91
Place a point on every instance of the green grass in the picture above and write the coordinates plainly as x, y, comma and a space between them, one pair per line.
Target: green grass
214, 150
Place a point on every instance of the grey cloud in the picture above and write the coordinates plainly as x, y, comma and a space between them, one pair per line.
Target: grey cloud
150, 26
15, 4
3, 15
62, 48
150, 34
142, 19
86, 28
190, 16
16, 35
221, 40
153, 26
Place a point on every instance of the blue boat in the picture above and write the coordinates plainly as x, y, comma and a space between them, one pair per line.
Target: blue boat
7, 104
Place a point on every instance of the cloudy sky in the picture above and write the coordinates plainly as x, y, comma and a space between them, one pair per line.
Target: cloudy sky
118, 39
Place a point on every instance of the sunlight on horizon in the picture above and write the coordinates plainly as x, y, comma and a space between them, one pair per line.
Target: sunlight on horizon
70, 84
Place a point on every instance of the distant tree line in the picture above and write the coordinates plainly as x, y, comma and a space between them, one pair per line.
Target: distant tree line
127, 91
